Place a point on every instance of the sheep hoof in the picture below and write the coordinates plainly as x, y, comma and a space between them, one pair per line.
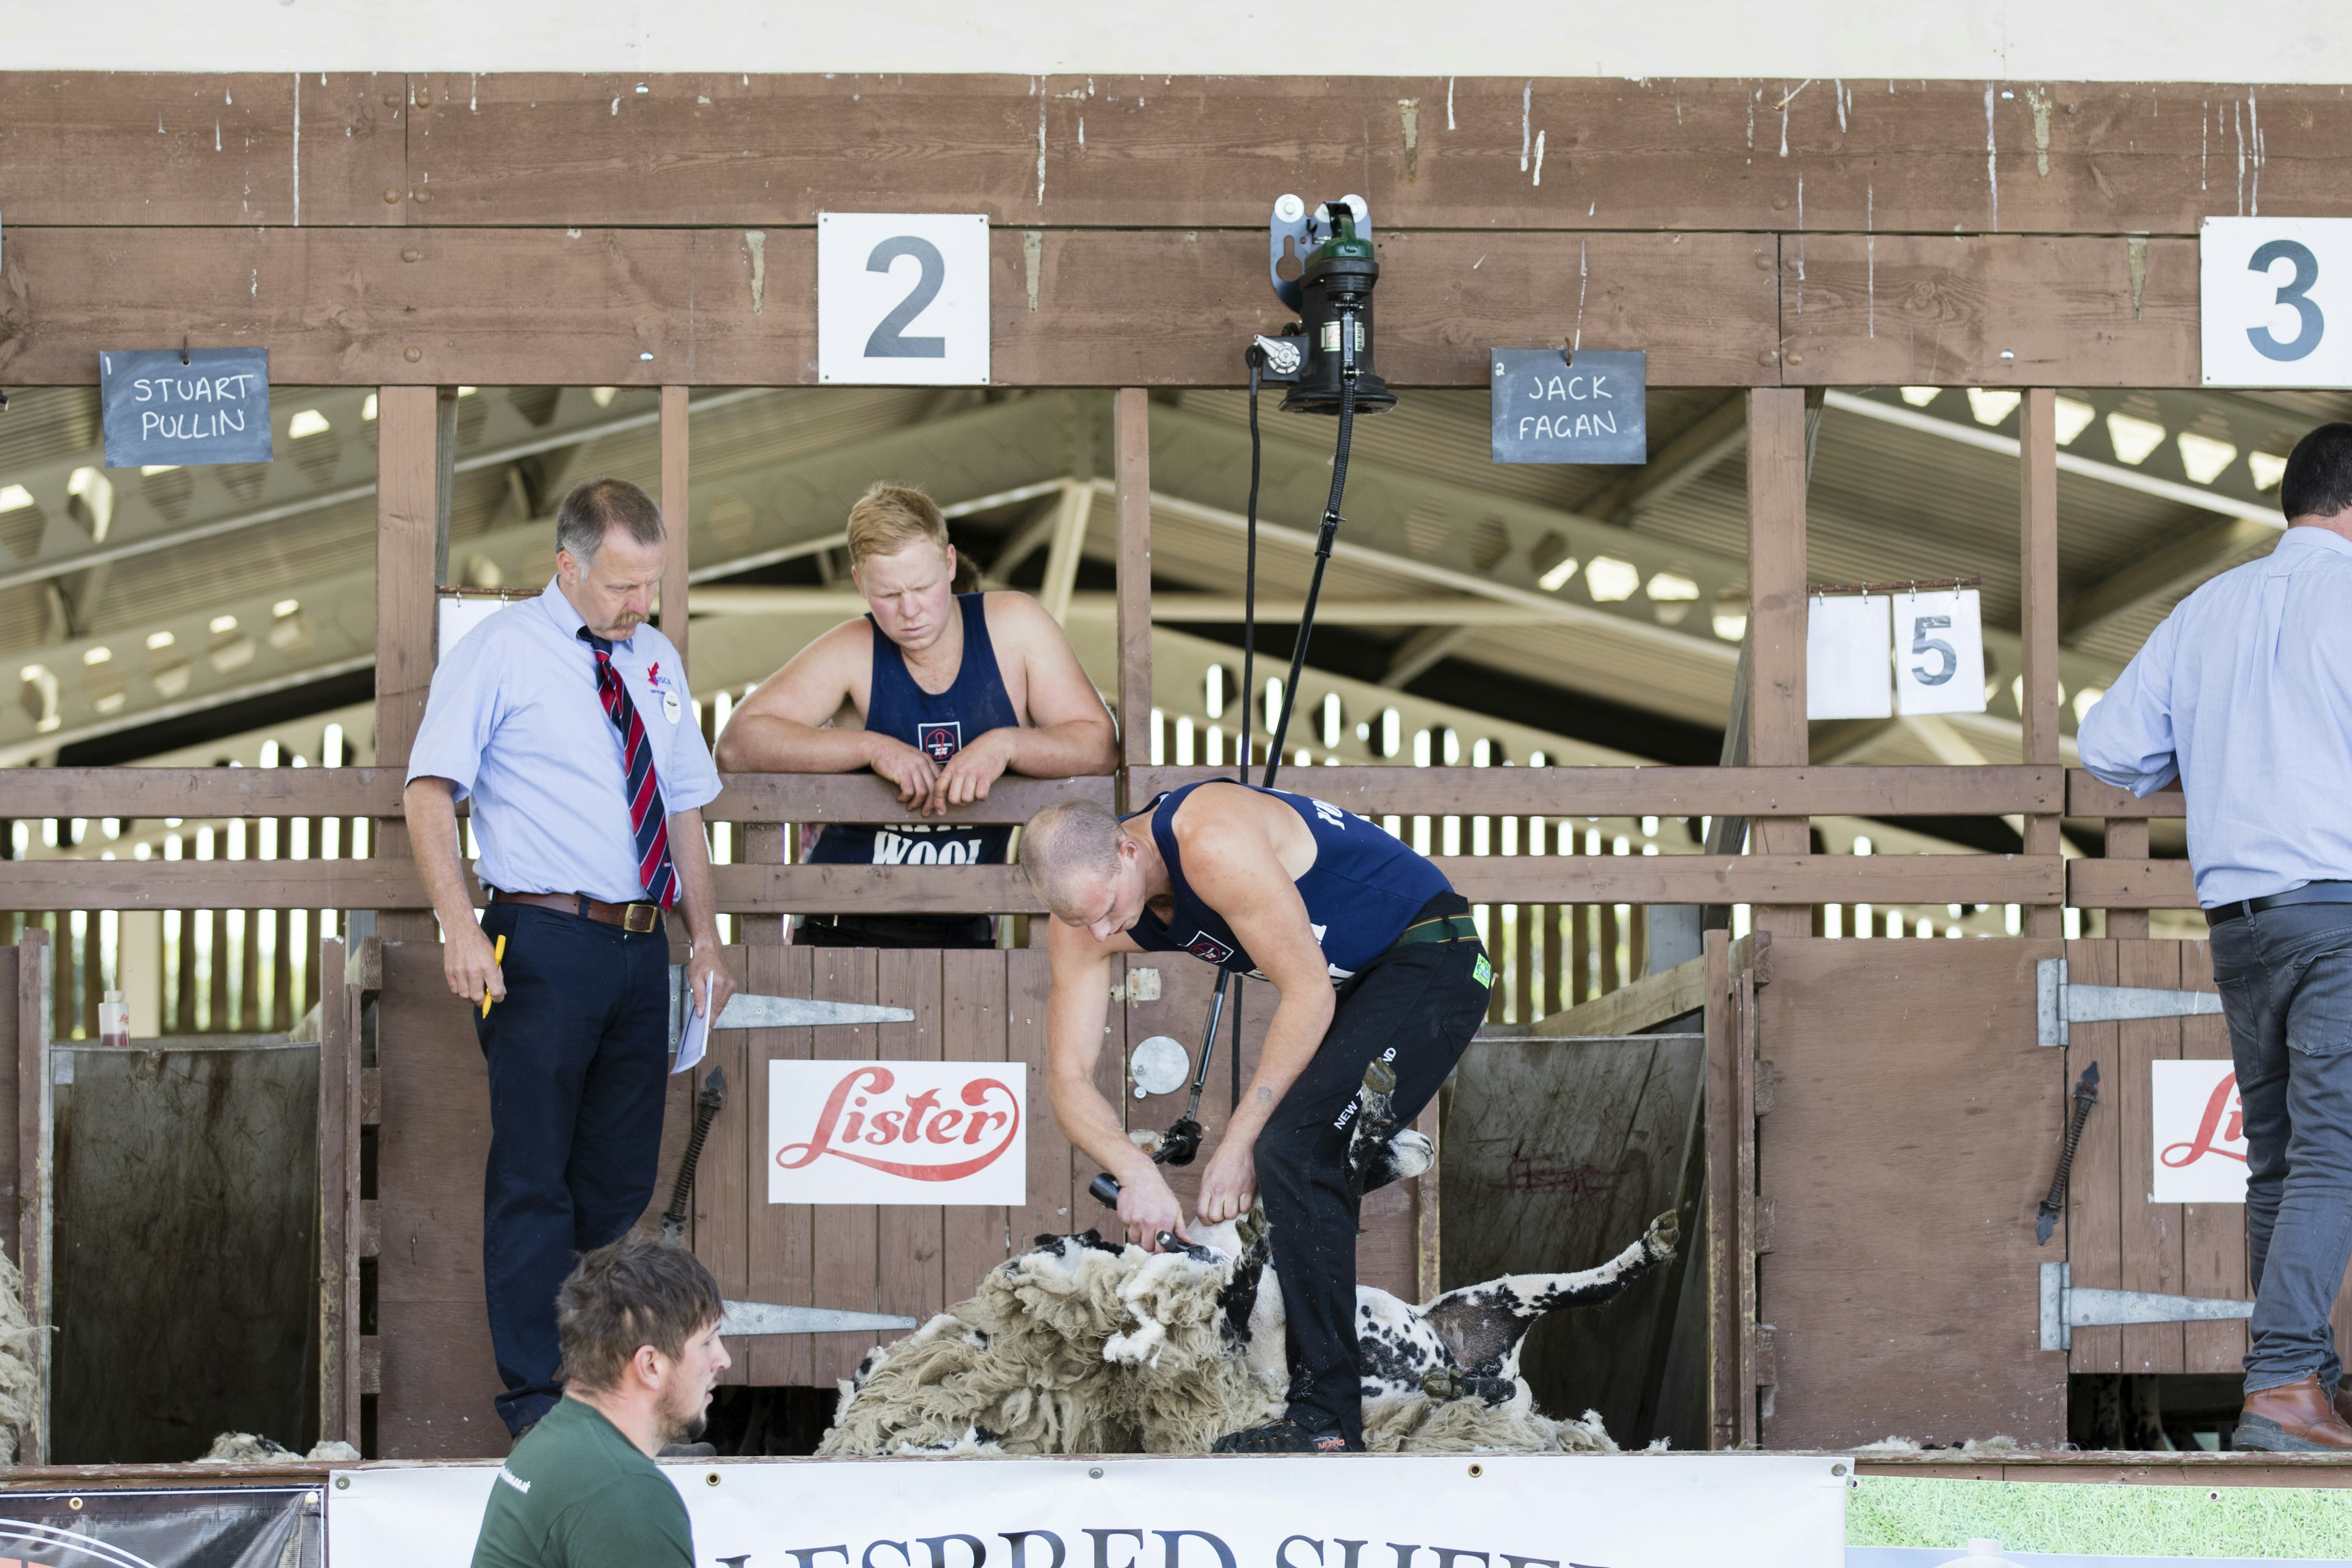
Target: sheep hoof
1441, 1383
1665, 1232
1380, 1078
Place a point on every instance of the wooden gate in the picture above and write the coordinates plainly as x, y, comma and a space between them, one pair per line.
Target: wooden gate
1906, 1123
427, 1358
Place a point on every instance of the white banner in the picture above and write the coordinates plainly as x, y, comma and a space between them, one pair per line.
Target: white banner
1939, 653
1846, 663
1629, 1510
2200, 1133
898, 1132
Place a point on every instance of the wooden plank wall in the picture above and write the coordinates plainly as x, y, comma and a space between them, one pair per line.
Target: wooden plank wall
2117, 1238
978, 1006
1913, 1122
533, 228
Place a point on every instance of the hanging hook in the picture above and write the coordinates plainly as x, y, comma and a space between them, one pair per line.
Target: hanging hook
183, 347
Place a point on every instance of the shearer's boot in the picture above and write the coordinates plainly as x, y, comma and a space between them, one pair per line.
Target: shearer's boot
2294, 1417
1286, 1437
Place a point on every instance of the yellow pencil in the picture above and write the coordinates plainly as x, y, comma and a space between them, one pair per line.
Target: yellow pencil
497, 955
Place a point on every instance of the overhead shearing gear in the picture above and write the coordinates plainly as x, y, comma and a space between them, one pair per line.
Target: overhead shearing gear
1327, 358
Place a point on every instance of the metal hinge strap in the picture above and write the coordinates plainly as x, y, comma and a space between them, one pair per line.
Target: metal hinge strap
2066, 1307
2058, 1002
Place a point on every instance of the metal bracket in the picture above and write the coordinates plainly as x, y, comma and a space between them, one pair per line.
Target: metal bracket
2066, 1307
745, 1011
2058, 1002
771, 1318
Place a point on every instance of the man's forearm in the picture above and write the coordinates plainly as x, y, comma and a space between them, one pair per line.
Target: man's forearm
760, 742
1063, 751
432, 819
1088, 1121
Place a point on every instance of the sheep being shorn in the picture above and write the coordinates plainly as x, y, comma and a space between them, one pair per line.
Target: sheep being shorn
1081, 1346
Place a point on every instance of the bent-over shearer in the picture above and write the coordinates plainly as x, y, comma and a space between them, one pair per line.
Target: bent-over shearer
567, 721
1376, 958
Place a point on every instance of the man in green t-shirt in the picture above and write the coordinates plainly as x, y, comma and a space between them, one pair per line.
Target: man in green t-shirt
638, 1322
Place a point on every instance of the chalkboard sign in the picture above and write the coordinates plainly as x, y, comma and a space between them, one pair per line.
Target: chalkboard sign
213, 409
1556, 407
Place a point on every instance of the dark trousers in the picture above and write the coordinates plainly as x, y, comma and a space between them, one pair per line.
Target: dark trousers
1415, 1007
577, 1053
2286, 979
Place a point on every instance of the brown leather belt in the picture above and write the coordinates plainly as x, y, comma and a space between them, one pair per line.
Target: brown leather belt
638, 917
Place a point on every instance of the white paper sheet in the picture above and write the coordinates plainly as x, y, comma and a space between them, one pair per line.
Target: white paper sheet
1939, 653
1846, 644
695, 1038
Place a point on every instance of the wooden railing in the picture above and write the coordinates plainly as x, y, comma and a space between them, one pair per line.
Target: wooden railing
1564, 926
2125, 881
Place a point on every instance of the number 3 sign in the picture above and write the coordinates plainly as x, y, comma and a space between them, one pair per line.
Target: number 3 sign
2277, 301
902, 299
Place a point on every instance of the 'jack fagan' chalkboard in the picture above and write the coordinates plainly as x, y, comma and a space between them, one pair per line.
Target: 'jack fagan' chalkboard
213, 409
1552, 406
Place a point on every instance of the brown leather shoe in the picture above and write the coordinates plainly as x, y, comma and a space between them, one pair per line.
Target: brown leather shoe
2294, 1417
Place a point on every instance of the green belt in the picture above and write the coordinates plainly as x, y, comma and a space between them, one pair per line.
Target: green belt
1444, 928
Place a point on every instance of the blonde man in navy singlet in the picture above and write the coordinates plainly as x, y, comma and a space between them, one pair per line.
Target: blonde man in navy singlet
1376, 958
952, 690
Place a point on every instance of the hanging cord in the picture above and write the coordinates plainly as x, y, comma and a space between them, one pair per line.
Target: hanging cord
1256, 358
1323, 541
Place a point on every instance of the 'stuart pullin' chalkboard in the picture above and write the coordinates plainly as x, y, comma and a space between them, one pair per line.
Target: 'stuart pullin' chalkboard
1554, 408
213, 409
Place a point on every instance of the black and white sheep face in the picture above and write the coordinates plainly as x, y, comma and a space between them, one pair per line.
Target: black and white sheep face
1080, 1346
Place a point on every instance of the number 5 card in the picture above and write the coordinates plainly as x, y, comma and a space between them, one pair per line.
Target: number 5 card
1939, 653
902, 299
2275, 301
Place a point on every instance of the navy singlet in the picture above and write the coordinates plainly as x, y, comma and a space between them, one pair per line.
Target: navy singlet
1363, 889
938, 725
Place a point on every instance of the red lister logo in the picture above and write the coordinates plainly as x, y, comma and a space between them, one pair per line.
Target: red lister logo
911, 1135
2223, 1115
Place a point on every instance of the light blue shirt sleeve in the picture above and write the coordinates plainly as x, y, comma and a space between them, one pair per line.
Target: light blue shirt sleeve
461, 714
691, 779
2126, 739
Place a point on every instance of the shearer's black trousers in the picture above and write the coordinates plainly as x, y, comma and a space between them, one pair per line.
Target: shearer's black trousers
1416, 1007
578, 1055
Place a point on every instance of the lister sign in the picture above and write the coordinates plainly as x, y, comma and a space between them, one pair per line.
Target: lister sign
2200, 1133
897, 1132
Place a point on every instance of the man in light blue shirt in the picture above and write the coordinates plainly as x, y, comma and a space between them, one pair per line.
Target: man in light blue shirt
567, 721
2244, 694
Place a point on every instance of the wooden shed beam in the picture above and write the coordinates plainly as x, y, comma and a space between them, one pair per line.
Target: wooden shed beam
645, 306
560, 150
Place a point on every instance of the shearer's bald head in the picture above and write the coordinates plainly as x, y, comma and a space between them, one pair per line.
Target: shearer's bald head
1083, 864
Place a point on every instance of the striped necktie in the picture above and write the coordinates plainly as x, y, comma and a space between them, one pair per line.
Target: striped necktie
647, 821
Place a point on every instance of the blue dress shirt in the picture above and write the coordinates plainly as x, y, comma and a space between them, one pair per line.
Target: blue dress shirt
514, 720
2244, 694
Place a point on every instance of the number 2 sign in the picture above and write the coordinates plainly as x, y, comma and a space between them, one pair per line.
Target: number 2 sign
902, 299
2277, 301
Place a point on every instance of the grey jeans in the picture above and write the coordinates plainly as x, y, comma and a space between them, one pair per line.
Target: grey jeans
2286, 979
